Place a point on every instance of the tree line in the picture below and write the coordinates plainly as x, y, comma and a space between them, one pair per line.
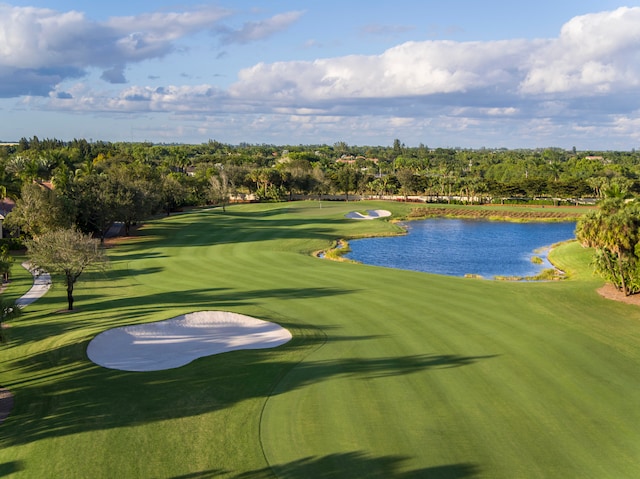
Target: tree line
87, 186
96, 183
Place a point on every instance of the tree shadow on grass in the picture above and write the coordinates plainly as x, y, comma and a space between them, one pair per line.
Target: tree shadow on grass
67, 394
209, 228
358, 465
215, 298
11, 467
350, 465
372, 368
116, 274
92, 310
208, 474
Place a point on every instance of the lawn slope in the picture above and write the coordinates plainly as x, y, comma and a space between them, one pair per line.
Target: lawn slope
391, 374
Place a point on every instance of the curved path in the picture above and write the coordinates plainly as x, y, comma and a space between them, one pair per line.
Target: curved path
41, 284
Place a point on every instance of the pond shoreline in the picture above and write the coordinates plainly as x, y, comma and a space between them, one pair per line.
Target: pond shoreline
502, 213
513, 269
494, 214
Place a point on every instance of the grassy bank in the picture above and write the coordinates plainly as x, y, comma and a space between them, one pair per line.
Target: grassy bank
500, 213
391, 374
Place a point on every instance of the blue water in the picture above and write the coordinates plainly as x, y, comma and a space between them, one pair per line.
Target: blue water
457, 247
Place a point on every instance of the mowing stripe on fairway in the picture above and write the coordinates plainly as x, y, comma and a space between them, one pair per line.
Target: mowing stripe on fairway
389, 374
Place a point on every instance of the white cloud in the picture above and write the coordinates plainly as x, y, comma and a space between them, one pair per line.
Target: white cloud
410, 69
398, 122
511, 89
137, 99
593, 54
161, 27
626, 126
42, 47
253, 31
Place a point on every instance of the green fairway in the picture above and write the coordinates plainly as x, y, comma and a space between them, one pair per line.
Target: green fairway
390, 374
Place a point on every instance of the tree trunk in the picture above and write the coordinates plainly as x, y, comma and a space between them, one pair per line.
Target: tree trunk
611, 269
622, 278
70, 299
70, 282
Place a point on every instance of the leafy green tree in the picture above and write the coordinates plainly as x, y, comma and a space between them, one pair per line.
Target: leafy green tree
471, 188
614, 232
67, 252
397, 147
618, 188
266, 180
319, 183
220, 190
10, 184
95, 201
38, 210
347, 179
6, 260
173, 192
131, 195
296, 176
406, 179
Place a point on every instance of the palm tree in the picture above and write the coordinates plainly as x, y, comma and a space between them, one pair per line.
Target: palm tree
614, 232
555, 169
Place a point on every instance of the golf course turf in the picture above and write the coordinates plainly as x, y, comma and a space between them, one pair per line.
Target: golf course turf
390, 374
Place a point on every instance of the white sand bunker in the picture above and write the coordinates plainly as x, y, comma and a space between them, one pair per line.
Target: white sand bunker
180, 340
371, 215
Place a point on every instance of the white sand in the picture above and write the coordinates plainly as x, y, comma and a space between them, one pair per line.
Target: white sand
371, 215
41, 284
178, 341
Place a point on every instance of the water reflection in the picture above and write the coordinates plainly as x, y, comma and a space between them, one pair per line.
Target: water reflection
459, 247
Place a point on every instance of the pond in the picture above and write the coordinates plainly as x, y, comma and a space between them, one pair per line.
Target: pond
459, 247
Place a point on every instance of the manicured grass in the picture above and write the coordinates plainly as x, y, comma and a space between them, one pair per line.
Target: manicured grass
391, 374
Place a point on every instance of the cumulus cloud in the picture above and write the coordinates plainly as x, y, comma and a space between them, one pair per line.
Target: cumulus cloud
588, 75
114, 75
40, 47
412, 69
138, 99
253, 31
591, 69
594, 53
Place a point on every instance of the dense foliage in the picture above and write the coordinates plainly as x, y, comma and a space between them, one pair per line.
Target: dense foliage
94, 185
67, 252
614, 232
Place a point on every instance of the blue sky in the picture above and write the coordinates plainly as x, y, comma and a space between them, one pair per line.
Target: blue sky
460, 73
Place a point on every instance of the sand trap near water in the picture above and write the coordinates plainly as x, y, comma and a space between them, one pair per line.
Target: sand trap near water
371, 215
178, 341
